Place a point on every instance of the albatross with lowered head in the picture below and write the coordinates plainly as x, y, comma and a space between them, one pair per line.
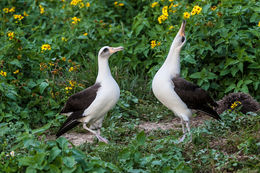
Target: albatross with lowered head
176, 93
89, 106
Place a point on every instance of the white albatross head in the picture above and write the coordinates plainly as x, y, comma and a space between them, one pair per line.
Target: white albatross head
106, 51
180, 38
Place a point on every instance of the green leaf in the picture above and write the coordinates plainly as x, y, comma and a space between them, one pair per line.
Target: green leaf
231, 87
43, 85
141, 138
63, 142
42, 129
30, 170
31, 83
54, 169
55, 151
11, 94
16, 62
69, 161
195, 75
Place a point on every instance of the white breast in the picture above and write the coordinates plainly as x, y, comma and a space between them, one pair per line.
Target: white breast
107, 97
163, 89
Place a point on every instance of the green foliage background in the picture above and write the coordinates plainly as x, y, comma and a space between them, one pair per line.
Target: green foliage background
221, 55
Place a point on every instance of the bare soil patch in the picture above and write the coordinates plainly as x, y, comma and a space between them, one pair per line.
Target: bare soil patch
175, 124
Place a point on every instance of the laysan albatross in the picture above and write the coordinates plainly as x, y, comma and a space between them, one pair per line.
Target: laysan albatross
176, 93
89, 106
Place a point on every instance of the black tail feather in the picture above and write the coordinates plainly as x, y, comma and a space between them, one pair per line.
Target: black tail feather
66, 127
208, 110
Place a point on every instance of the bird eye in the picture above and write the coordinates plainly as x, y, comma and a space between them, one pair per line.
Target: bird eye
105, 50
183, 39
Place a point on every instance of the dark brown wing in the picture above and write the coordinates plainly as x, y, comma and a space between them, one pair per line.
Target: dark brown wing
77, 103
81, 100
194, 96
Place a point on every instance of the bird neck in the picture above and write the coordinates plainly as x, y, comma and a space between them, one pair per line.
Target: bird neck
172, 62
103, 69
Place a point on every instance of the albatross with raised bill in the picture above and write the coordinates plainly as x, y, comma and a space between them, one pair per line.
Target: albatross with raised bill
89, 106
176, 93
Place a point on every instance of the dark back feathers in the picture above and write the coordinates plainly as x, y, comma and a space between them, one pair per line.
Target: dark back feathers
194, 96
81, 100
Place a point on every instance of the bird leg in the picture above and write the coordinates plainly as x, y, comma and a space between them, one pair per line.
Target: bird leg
188, 127
183, 126
183, 130
100, 138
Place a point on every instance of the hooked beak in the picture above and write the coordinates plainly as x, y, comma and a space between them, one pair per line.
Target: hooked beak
182, 29
115, 49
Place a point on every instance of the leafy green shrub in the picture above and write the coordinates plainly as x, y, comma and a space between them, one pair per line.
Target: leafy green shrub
48, 51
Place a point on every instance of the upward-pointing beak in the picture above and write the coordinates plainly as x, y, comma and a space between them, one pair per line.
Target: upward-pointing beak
182, 29
115, 49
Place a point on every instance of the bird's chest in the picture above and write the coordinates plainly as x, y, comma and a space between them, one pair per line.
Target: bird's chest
108, 94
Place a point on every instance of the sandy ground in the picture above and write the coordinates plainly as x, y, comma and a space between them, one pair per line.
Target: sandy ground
80, 138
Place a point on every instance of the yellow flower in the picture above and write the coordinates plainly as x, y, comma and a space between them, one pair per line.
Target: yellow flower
154, 4
75, 20
158, 43
10, 35
193, 12
68, 88
165, 11
64, 39
15, 72
171, 27
6, 10
186, 15
71, 69
18, 16
153, 44
11, 10
197, 9
2, 73
213, 8
115, 3
46, 47
75, 2
121, 4
41, 9
170, 0
63, 58
87, 4
85, 34
176, 5
259, 23
81, 5
25, 14
235, 104
72, 83
51, 64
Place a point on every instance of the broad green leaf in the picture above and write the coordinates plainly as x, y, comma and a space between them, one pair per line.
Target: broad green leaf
55, 151
141, 138
16, 62
196, 75
43, 85
42, 129
63, 142
231, 87
69, 161
54, 169
30, 170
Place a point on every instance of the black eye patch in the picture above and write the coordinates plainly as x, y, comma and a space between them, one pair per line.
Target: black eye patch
105, 50
183, 39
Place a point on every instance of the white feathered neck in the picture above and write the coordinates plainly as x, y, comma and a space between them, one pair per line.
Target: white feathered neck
103, 69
